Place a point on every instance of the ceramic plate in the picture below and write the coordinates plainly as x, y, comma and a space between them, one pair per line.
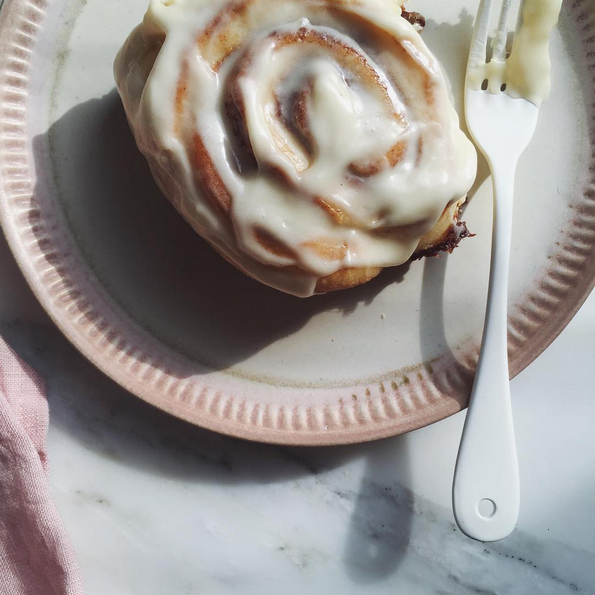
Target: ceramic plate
146, 300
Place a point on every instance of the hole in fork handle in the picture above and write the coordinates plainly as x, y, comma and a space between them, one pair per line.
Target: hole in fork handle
487, 508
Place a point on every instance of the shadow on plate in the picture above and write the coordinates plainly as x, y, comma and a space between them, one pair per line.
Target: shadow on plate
153, 265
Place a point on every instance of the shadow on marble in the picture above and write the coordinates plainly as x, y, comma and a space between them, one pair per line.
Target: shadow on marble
392, 534
381, 523
103, 418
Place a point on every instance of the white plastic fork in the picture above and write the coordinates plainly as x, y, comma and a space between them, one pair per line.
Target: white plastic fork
486, 493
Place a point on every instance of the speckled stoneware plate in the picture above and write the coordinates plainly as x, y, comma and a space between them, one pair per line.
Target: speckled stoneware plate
145, 299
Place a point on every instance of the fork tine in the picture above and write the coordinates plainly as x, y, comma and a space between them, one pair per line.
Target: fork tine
519, 22
501, 37
479, 40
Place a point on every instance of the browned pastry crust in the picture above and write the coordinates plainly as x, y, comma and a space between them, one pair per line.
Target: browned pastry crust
416, 19
444, 237
450, 240
346, 278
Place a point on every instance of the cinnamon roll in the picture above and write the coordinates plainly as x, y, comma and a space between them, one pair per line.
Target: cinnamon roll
311, 142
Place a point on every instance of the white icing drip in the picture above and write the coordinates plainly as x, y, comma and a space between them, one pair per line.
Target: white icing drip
348, 123
526, 72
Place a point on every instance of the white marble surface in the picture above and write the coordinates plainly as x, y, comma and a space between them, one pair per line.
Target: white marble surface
157, 507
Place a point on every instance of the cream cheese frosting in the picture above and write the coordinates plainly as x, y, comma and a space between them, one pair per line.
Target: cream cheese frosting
298, 137
526, 72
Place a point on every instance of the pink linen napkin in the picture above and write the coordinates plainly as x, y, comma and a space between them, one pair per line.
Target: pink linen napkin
36, 557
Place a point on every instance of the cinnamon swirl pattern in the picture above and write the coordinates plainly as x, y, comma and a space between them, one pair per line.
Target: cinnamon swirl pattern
311, 142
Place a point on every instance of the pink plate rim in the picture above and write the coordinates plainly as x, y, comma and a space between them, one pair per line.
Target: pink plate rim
96, 326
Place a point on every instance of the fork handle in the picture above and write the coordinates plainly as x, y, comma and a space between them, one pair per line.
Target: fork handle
486, 493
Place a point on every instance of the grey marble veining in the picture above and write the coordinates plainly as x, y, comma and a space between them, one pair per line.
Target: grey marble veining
155, 506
